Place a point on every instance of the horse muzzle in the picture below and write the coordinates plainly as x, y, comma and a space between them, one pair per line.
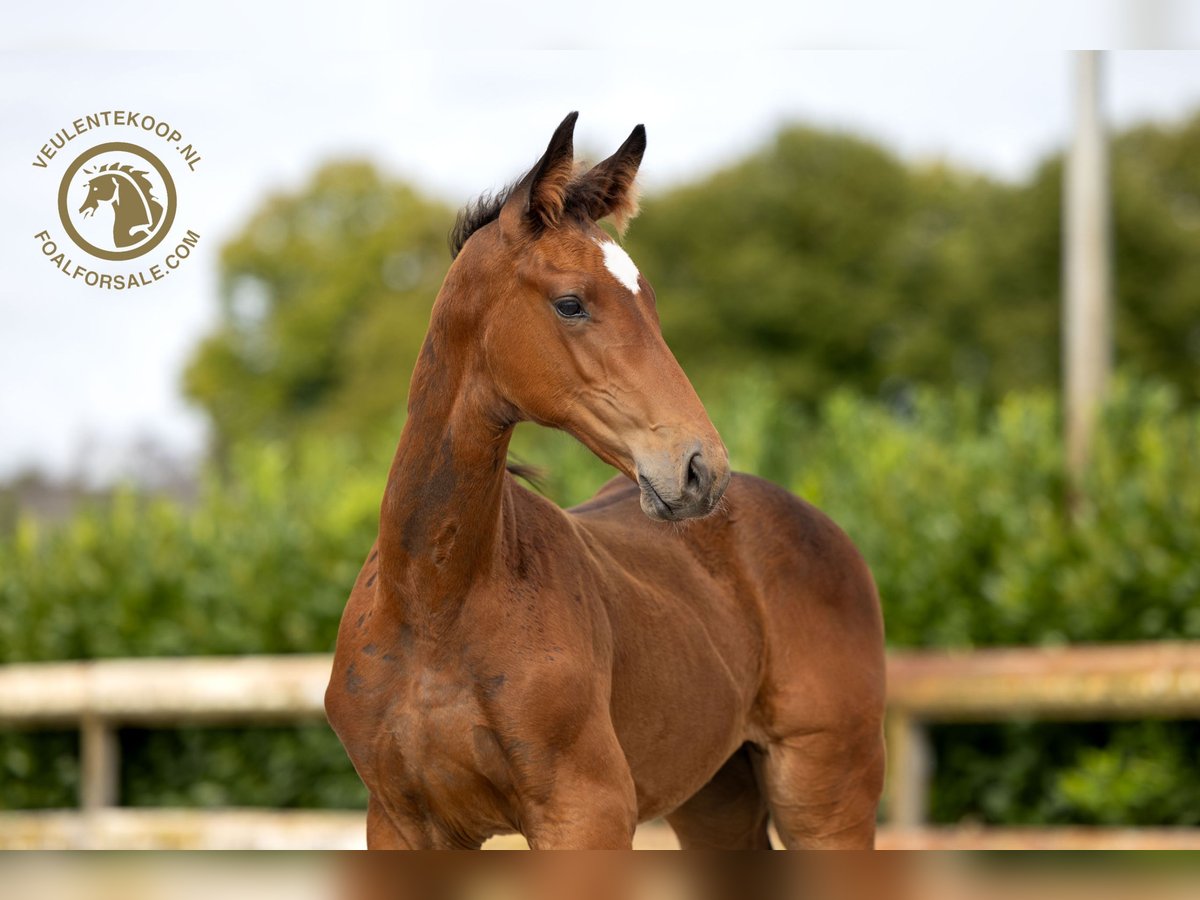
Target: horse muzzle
687, 485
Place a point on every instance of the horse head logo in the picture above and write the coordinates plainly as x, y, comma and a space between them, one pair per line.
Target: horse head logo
136, 213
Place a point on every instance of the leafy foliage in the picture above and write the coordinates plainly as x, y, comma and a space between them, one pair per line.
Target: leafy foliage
325, 300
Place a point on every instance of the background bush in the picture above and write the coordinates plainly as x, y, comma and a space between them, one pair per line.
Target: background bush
958, 505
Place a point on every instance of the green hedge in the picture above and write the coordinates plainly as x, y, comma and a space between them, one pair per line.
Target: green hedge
959, 507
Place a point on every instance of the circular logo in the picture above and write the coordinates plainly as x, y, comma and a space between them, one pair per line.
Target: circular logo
117, 201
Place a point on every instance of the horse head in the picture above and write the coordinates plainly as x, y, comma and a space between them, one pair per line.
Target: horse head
564, 326
100, 189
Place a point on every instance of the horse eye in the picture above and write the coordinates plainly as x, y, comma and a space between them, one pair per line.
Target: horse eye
569, 308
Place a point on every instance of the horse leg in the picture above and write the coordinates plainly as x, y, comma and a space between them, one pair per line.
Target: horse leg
382, 833
586, 817
728, 813
584, 814
592, 802
823, 787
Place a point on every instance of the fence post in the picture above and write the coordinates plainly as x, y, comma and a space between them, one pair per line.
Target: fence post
909, 768
100, 761
1087, 268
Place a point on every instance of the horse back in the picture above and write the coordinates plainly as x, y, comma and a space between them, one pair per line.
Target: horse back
787, 583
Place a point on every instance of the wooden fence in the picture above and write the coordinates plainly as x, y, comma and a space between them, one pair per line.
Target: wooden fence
1078, 683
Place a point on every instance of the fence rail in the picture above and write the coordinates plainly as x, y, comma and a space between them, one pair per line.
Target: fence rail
1075, 683
1099, 683
103, 695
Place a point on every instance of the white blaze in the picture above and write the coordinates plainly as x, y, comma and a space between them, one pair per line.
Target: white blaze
617, 261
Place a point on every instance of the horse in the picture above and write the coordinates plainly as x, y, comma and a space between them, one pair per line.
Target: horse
135, 212
689, 644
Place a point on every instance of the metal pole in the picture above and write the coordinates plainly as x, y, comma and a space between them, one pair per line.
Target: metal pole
1087, 314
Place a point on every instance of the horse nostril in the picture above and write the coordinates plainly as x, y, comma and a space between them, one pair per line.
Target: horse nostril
696, 473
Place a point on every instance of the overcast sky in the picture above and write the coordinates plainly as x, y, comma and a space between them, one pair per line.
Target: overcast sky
84, 372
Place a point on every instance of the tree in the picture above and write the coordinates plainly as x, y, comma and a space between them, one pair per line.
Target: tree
325, 296
833, 264
1156, 173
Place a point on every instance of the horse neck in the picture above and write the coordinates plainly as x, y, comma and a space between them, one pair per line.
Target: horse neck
440, 522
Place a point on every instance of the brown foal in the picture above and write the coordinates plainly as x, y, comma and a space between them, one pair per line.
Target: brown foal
714, 657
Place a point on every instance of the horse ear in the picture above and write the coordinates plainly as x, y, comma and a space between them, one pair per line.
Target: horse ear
540, 197
609, 189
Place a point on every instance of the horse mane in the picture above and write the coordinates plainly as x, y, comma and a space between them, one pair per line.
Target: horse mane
531, 475
478, 212
580, 195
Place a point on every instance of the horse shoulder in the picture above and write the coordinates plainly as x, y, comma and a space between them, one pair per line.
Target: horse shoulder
819, 603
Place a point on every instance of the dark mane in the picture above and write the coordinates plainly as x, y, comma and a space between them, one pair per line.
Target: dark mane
479, 212
531, 475
563, 191
581, 193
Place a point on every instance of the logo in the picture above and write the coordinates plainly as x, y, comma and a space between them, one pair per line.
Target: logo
117, 200
131, 190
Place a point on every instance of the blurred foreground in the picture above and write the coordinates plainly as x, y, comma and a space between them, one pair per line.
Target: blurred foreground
601, 876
